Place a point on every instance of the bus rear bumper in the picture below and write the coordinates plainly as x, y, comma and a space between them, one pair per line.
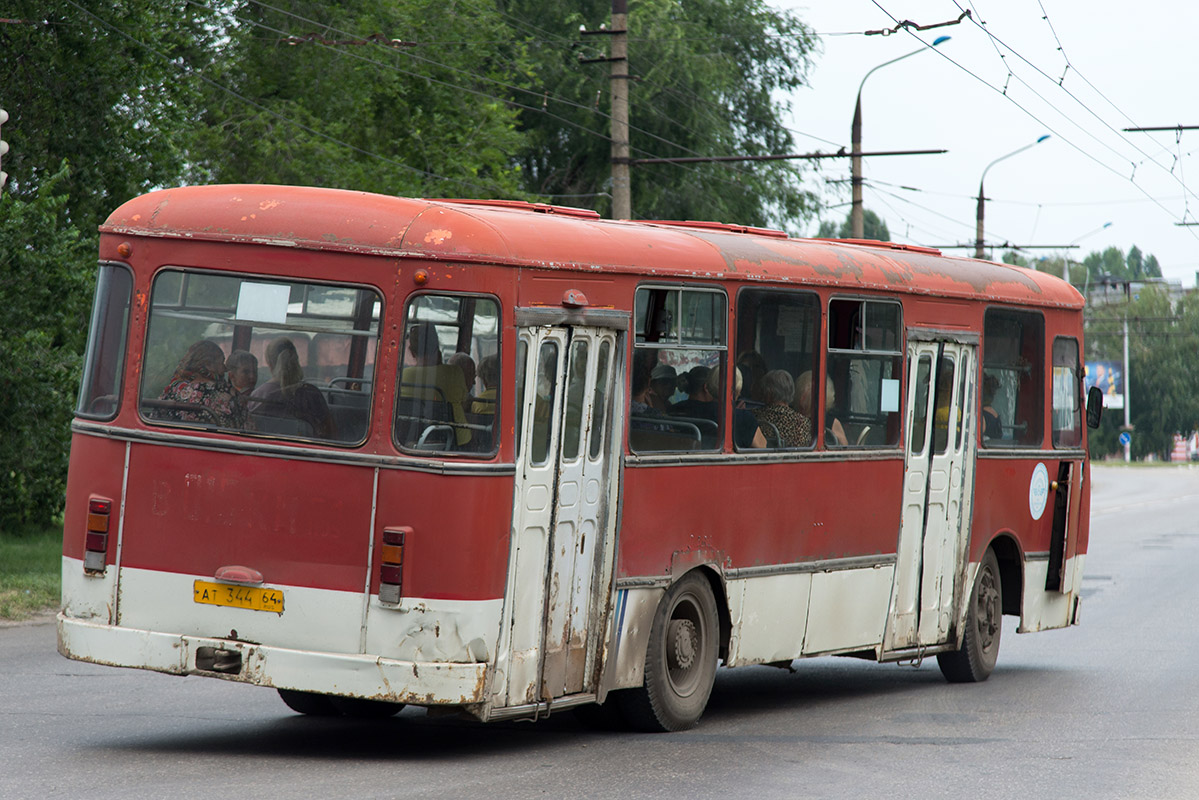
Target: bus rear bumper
350, 675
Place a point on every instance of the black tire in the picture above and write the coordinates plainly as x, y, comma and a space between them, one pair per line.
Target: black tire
314, 705
975, 659
361, 708
680, 662
601, 718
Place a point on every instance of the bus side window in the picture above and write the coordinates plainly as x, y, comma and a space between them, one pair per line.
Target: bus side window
865, 366
1067, 393
677, 370
777, 357
1013, 377
440, 406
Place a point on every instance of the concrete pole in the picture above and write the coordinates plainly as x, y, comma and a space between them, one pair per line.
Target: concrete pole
1127, 396
622, 200
978, 223
857, 224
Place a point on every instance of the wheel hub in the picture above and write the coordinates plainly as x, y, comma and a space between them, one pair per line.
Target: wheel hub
685, 640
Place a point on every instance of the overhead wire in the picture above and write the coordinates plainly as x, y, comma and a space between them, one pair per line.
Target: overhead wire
1037, 119
996, 42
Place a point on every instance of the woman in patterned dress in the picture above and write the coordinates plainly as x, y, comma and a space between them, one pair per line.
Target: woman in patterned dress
794, 429
201, 380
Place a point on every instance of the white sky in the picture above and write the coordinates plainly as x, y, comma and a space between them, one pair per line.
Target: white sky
1140, 56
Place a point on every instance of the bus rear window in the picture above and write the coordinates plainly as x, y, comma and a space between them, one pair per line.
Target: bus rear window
448, 397
100, 391
260, 356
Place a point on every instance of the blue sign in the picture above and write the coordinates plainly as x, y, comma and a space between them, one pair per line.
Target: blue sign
1125, 438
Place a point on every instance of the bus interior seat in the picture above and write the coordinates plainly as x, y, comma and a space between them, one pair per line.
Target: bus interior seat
774, 439
662, 433
349, 421
286, 426
415, 414
862, 436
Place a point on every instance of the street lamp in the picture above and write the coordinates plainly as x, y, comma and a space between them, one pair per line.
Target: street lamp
978, 238
856, 223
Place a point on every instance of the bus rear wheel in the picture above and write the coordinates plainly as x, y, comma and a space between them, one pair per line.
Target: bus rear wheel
310, 703
975, 659
361, 708
680, 662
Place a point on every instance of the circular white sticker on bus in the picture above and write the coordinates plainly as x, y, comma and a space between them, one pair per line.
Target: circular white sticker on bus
1038, 491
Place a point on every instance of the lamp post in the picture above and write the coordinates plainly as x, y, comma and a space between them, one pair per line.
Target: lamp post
856, 223
978, 238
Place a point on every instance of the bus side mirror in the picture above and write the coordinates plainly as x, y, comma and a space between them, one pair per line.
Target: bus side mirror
1094, 407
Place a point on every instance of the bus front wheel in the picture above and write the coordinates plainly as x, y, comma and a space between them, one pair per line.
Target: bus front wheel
974, 660
680, 662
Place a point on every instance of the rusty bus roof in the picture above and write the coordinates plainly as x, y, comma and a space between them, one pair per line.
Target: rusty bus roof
553, 237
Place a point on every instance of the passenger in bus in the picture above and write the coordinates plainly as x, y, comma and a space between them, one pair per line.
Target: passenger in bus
663, 383
804, 399
700, 403
489, 374
746, 433
992, 424
778, 392
467, 364
200, 381
287, 395
425, 377
243, 371
753, 367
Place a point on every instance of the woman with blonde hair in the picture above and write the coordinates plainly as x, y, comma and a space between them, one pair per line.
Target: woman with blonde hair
287, 395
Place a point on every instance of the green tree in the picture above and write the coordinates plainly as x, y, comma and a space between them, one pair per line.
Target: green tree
707, 77
354, 107
1162, 373
873, 227
45, 277
1110, 263
93, 83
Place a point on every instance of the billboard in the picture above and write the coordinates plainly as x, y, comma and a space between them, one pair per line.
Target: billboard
1109, 377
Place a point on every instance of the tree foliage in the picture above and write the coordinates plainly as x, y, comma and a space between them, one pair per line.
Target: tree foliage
94, 84
399, 98
707, 77
1111, 265
873, 227
1162, 373
44, 281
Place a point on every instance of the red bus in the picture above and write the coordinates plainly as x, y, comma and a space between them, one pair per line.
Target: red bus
511, 458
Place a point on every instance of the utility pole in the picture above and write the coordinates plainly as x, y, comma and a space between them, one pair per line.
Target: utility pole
1127, 390
618, 57
622, 199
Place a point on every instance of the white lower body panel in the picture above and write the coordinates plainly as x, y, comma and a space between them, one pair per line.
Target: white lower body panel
1041, 610
353, 675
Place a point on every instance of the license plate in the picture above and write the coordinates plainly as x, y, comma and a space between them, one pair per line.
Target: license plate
252, 597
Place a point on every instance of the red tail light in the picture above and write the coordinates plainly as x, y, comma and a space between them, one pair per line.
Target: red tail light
391, 565
95, 547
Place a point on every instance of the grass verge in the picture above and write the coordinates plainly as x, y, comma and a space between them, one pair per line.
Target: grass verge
30, 573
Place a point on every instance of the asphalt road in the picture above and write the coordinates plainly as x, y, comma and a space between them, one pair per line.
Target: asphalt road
1107, 709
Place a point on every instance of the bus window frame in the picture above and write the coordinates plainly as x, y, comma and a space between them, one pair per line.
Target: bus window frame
1079, 409
251, 435
1042, 376
123, 362
900, 352
493, 453
818, 353
678, 343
